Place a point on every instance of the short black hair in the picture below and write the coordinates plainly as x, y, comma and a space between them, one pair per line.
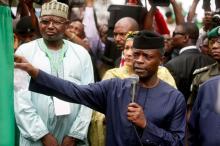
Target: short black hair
24, 25
192, 30
168, 14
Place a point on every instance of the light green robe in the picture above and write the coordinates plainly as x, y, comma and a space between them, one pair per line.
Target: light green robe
34, 112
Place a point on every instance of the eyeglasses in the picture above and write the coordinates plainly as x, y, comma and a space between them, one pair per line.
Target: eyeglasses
53, 21
178, 33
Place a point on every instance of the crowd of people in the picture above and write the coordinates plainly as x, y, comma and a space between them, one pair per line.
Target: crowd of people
148, 82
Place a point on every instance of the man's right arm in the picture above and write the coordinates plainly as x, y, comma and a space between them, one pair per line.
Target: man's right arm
92, 95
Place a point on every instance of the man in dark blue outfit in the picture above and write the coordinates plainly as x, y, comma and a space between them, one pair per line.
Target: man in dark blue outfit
155, 118
204, 124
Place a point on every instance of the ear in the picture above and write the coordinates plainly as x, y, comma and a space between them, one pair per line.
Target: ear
161, 60
186, 38
67, 22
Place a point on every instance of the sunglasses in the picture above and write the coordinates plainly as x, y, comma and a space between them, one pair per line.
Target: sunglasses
178, 33
54, 22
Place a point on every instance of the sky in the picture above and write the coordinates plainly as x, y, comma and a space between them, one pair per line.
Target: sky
102, 5
185, 5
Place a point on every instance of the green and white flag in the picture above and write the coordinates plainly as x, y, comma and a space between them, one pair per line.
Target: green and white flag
7, 122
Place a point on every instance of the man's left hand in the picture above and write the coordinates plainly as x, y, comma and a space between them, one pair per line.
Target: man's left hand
68, 141
136, 115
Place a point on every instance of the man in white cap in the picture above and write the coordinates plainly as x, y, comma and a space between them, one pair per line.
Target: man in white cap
44, 121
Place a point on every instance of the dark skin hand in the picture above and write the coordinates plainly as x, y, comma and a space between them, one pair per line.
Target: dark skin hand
21, 63
69, 141
49, 140
136, 115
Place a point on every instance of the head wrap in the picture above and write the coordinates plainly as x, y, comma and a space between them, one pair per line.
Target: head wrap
215, 32
148, 40
131, 34
55, 8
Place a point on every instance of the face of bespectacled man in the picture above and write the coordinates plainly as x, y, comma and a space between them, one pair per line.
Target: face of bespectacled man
52, 28
179, 37
207, 19
167, 43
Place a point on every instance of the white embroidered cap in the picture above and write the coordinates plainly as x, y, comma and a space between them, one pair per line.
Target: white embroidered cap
55, 8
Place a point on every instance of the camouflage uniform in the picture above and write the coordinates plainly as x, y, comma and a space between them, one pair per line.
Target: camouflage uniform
200, 76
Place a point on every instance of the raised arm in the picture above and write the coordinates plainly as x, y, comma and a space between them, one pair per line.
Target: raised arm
149, 18
178, 12
192, 11
93, 95
91, 30
161, 26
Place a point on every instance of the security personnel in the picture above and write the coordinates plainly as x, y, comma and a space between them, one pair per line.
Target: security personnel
205, 73
204, 129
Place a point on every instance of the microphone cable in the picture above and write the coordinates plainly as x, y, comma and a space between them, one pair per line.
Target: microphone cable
136, 133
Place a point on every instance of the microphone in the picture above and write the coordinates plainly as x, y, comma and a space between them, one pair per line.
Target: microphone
134, 80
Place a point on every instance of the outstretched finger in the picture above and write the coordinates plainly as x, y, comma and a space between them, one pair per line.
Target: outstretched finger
19, 59
20, 65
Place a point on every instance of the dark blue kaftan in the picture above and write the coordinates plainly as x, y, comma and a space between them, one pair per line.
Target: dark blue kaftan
204, 124
164, 108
